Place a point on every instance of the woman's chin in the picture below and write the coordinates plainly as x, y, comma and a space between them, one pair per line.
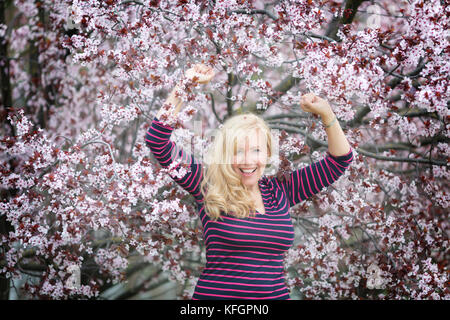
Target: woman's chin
252, 180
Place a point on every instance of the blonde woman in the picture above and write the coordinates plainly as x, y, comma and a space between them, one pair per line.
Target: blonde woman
245, 215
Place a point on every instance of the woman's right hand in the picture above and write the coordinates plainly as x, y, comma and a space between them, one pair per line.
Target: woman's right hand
200, 73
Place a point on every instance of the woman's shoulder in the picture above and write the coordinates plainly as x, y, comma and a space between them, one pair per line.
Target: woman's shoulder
273, 182
266, 181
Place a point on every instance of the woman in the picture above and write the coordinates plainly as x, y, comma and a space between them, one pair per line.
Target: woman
245, 215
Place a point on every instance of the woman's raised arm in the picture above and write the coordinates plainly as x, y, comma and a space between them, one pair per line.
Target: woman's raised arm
167, 152
199, 73
305, 182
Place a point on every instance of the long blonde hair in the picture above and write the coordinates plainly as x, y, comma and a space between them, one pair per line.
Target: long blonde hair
221, 187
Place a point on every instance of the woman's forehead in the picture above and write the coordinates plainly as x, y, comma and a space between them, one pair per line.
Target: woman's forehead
251, 137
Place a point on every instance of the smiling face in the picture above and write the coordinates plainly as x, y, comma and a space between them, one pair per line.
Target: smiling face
250, 158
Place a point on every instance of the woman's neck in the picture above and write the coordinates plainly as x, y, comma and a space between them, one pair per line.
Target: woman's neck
255, 192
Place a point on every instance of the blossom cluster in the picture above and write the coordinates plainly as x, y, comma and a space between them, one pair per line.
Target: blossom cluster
80, 188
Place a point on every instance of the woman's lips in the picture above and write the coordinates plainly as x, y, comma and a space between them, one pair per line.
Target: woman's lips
247, 174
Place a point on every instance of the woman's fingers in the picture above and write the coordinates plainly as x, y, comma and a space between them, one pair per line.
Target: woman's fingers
207, 71
202, 72
309, 98
307, 102
201, 68
311, 103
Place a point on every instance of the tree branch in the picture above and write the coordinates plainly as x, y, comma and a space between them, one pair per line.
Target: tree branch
256, 11
351, 7
229, 95
364, 151
213, 106
285, 115
284, 86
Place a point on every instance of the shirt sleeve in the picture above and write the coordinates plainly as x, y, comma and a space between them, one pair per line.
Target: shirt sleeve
166, 152
305, 182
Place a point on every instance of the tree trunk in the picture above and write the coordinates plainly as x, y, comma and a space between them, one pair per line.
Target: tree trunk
6, 102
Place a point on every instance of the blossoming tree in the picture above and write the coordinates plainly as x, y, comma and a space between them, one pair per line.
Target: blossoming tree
81, 81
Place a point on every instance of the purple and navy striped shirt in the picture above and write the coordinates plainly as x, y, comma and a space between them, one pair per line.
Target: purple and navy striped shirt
245, 255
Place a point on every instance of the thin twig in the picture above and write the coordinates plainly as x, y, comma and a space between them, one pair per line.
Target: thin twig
256, 11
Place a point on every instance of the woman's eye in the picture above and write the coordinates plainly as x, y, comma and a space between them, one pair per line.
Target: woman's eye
254, 150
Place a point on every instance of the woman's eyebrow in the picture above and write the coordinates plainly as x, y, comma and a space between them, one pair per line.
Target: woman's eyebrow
254, 147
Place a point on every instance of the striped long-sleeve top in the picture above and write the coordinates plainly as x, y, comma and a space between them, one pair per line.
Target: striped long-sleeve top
245, 255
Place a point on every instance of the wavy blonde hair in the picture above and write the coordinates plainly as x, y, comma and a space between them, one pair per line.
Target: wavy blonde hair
221, 187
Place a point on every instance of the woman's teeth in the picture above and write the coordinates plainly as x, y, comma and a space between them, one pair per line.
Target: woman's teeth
248, 172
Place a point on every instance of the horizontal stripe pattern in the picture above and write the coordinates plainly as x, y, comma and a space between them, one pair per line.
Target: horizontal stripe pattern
306, 182
244, 256
166, 152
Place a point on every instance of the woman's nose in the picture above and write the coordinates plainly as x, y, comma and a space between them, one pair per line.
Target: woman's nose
247, 158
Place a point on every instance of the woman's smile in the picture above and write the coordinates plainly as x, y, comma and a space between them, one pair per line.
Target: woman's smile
250, 158
247, 172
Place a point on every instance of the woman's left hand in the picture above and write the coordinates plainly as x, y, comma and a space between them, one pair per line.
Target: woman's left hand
311, 103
